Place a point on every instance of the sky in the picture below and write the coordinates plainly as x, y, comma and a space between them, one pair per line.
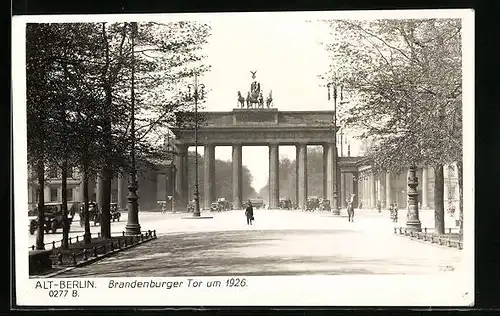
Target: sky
288, 58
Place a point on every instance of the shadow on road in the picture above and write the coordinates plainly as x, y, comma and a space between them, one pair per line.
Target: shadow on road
255, 252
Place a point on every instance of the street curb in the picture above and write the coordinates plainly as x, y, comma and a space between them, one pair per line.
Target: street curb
92, 260
428, 242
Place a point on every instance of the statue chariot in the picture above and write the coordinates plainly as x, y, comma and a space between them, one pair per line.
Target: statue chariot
255, 97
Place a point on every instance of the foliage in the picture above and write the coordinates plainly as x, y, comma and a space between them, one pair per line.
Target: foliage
223, 178
287, 176
404, 78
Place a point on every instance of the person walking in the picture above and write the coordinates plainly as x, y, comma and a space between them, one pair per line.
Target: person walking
249, 213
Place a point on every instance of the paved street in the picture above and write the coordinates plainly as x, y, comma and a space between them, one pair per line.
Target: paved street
279, 243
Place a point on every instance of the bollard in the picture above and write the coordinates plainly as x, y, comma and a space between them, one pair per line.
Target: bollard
33, 247
149, 233
59, 257
74, 258
142, 237
98, 235
154, 233
53, 245
94, 249
123, 233
395, 230
77, 239
119, 244
85, 254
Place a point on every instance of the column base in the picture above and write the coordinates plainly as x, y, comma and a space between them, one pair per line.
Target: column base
132, 229
414, 225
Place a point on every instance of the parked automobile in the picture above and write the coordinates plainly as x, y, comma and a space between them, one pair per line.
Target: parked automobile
257, 203
325, 205
115, 213
285, 204
53, 218
214, 207
312, 203
94, 214
223, 204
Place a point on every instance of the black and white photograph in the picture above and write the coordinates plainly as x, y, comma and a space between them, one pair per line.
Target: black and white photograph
266, 158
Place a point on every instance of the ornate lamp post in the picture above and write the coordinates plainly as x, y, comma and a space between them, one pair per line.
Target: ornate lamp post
197, 93
334, 85
132, 227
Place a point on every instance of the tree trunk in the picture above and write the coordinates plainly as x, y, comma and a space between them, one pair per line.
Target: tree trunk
106, 203
439, 199
460, 169
64, 200
41, 205
87, 237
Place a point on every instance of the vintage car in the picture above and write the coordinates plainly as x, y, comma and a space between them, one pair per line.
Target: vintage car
312, 203
214, 207
325, 205
94, 214
285, 204
257, 203
224, 205
114, 212
53, 218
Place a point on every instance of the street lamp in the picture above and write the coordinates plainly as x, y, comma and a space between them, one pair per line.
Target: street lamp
132, 227
334, 86
197, 93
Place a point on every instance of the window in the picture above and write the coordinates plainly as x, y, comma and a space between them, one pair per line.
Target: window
53, 194
53, 173
69, 192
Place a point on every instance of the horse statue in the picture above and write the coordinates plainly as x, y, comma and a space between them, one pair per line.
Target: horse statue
241, 100
261, 100
269, 100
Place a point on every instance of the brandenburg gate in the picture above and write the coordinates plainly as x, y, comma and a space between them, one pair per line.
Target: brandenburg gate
258, 126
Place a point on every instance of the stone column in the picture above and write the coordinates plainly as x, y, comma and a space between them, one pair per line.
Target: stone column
181, 180
302, 174
237, 176
373, 191
274, 188
169, 185
331, 177
425, 189
413, 221
342, 190
46, 193
325, 171
355, 188
81, 190
382, 191
121, 196
297, 177
388, 189
209, 177
98, 189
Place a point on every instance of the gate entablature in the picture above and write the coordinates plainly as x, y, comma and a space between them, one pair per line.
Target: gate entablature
254, 127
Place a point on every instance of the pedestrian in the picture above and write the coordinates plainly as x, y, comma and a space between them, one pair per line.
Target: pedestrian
249, 213
396, 208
